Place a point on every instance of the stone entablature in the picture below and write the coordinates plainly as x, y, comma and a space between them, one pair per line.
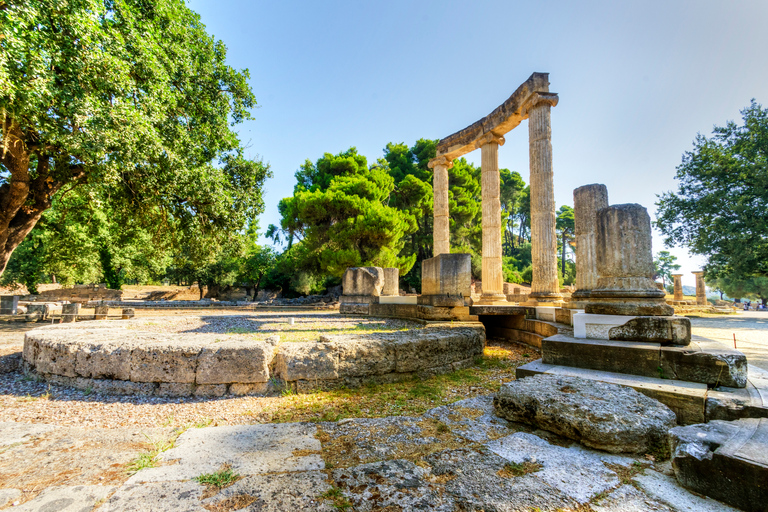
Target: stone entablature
127, 360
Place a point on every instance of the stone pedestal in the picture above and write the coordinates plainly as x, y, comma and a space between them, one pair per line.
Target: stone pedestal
363, 281
441, 230
101, 313
587, 200
492, 274
9, 304
545, 286
625, 284
37, 312
391, 282
678, 279
128, 313
69, 312
701, 289
446, 277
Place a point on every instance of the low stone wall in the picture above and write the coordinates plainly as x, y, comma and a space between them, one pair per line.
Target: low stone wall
126, 360
518, 328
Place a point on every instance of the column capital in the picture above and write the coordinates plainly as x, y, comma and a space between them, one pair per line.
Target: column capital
697, 272
440, 160
488, 138
539, 99
676, 275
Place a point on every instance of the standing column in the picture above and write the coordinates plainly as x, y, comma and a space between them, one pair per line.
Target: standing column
678, 286
492, 275
545, 286
441, 230
586, 201
701, 290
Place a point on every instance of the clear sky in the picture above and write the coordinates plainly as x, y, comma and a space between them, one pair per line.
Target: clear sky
637, 81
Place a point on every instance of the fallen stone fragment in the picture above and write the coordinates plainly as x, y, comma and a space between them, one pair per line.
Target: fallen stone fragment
665, 489
725, 460
599, 415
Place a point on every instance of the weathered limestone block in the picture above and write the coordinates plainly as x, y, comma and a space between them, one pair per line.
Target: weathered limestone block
165, 361
353, 308
391, 282
447, 274
101, 312
625, 284
9, 304
128, 313
725, 460
104, 359
587, 200
49, 356
210, 390
360, 356
662, 329
175, 389
714, 367
363, 281
431, 348
69, 312
599, 415
37, 312
239, 360
306, 361
256, 388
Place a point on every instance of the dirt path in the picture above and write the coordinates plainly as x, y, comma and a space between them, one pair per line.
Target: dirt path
749, 327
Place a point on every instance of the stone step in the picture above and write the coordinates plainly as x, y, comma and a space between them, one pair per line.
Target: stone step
711, 366
686, 399
726, 403
725, 460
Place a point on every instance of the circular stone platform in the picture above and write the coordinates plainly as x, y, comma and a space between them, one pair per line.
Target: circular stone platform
243, 355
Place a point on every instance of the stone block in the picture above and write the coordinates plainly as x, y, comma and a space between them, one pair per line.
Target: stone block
546, 313
354, 309
56, 357
306, 361
363, 281
442, 313
210, 390
42, 310
104, 360
359, 299
394, 310
576, 408
69, 312
662, 329
258, 388
430, 348
362, 356
631, 358
587, 325
391, 282
122, 387
725, 460
234, 360
441, 301
101, 312
128, 313
175, 389
9, 304
164, 362
447, 274
714, 367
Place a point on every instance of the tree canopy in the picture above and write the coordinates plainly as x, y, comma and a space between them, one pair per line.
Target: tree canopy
131, 98
720, 208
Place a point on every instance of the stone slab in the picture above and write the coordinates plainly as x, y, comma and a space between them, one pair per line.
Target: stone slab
586, 325
249, 449
239, 360
78, 498
546, 313
712, 366
665, 489
603, 355
729, 404
447, 274
628, 499
686, 399
284, 492
399, 299
725, 460
157, 497
8, 496
663, 329
9, 304
363, 281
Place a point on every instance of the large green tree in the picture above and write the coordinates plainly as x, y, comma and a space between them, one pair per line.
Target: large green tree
663, 265
720, 208
128, 95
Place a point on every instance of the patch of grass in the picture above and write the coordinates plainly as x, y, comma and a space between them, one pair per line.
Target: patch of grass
230, 504
337, 498
658, 451
149, 459
515, 469
203, 422
220, 479
239, 330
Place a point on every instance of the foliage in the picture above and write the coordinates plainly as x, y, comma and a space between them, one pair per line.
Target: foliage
720, 209
128, 97
565, 227
663, 265
752, 287
339, 211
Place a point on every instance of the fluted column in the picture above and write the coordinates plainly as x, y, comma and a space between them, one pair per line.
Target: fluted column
587, 200
492, 275
441, 233
701, 289
678, 278
545, 286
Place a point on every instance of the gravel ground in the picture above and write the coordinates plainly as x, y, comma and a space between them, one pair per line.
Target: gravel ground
749, 327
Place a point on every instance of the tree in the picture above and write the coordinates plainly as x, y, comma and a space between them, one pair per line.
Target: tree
258, 260
663, 265
720, 209
753, 287
128, 95
565, 226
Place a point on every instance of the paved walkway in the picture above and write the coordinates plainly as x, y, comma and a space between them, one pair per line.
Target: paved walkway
749, 327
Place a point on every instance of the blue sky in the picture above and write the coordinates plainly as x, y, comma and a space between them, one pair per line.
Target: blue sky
636, 79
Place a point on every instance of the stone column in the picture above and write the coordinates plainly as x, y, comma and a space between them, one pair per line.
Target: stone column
587, 200
545, 286
441, 230
678, 286
492, 275
69, 312
701, 289
101, 312
625, 284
